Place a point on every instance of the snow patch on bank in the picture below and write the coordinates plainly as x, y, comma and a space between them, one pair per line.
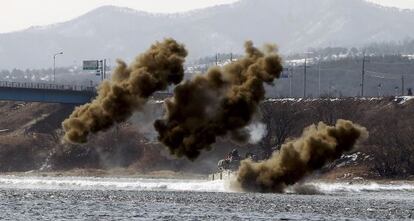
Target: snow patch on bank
403, 99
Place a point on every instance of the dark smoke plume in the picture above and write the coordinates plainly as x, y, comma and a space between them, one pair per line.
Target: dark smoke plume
318, 145
219, 103
128, 90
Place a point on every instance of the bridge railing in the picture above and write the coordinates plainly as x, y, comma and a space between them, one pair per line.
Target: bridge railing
47, 86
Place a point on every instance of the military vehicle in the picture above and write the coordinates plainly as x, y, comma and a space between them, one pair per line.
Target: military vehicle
227, 168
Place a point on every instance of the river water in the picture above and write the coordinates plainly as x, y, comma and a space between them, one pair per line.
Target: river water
86, 198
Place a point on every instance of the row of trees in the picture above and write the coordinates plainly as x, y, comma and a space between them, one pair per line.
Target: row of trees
405, 47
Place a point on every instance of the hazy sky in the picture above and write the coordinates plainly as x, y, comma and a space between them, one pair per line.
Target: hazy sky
21, 14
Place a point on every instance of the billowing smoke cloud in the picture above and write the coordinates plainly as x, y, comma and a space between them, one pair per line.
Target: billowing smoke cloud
128, 90
318, 145
219, 103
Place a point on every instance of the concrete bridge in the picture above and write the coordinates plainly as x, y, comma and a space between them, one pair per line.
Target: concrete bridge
54, 93
46, 93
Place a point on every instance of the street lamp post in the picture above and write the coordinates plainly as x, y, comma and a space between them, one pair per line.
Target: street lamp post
54, 65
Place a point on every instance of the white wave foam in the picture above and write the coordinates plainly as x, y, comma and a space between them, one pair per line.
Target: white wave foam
365, 187
95, 183
143, 184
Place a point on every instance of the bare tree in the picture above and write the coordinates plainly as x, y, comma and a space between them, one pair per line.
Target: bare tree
391, 144
281, 119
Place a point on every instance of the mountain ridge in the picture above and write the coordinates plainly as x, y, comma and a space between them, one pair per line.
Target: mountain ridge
295, 25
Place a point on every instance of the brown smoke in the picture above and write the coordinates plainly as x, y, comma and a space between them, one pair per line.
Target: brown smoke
219, 103
318, 145
128, 90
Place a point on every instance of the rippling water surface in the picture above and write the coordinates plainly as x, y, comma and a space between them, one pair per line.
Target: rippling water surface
82, 198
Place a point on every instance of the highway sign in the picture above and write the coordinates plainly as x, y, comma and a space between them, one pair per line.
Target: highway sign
91, 65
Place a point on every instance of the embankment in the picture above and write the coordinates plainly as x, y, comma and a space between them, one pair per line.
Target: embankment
30, 138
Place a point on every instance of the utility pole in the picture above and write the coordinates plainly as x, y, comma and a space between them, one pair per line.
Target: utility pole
402, 85
104, 69
101, 69
319, 78
304, 79
290, 81
305, 67
305, 74
231, 57
363, 75
54, 67
216, 59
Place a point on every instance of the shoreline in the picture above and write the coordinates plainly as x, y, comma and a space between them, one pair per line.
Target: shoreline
166, 174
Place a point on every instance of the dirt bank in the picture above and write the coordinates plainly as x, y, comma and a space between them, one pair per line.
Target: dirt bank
30, 139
